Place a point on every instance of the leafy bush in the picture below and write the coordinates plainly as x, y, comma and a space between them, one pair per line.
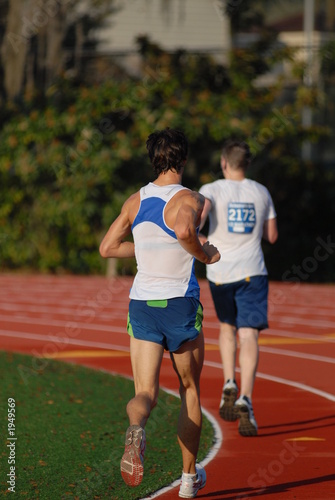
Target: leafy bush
66, 167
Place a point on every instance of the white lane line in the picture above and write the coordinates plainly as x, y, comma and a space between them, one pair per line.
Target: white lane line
107, 313
30, 293
286, 352
75, 307
89, 326
53, 339
295, 354
116, 310
217, 430
298, 385
299, 335
287, 322
75, 297
293, 320
324, 337
315, 310
72, 324
113, 329
279, 380
105, 345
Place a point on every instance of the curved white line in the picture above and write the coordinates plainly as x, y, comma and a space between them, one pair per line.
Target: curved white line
53, 339
82, 325
217, 430
292, 320
324, 337
62, 324
286, 352
296, 354
216, 447
105, 345
297, 385
279, 380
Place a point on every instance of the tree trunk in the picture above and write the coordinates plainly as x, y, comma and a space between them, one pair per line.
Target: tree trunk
45, 24
27, 19
55, 33
14, 48
330, 12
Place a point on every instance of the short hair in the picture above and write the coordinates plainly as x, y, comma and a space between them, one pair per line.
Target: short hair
237, 154
167, 150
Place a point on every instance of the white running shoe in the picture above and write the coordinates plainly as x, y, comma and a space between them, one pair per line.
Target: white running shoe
191, 483
132, 460
247, 425
227, 410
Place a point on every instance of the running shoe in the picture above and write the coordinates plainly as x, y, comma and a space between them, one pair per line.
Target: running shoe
247, 425
132, 460
229, 395
192, 483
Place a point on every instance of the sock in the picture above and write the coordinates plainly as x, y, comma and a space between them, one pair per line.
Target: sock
189, 476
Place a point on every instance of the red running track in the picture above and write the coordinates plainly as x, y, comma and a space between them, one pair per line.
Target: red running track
293, 457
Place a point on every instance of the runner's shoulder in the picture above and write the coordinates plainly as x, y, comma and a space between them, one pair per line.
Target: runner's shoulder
191, 197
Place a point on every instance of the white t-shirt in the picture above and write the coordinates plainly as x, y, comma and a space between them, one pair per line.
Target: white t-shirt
239, 210
164, 269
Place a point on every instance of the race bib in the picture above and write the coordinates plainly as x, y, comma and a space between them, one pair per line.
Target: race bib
241, 217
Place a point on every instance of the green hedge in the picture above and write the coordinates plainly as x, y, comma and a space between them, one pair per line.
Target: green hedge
67, 166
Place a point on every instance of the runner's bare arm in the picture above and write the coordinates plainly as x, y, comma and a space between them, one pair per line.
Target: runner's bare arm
205, 212
270, 230
113, 244
186, 223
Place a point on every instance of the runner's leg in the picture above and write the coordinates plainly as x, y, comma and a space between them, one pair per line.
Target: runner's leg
146, 358
188, 362
248, 359
227, 345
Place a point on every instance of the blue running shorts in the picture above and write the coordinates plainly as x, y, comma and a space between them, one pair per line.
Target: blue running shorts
243, 303
170, 322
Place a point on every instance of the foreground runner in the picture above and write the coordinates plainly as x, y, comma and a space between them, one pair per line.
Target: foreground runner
164, 310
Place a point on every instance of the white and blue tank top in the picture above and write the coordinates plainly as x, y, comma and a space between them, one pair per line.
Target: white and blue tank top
164, 269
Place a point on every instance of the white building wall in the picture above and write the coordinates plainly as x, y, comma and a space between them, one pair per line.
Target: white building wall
195, 25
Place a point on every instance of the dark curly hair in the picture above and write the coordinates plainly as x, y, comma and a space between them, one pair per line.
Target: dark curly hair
167, 150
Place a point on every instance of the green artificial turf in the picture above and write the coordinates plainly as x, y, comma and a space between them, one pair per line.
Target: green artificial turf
70, 423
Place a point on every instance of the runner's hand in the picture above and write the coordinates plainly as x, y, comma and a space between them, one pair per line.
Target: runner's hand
202, 238
212, 252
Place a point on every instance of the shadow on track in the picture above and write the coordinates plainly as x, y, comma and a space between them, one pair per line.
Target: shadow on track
246, 493
293, 427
